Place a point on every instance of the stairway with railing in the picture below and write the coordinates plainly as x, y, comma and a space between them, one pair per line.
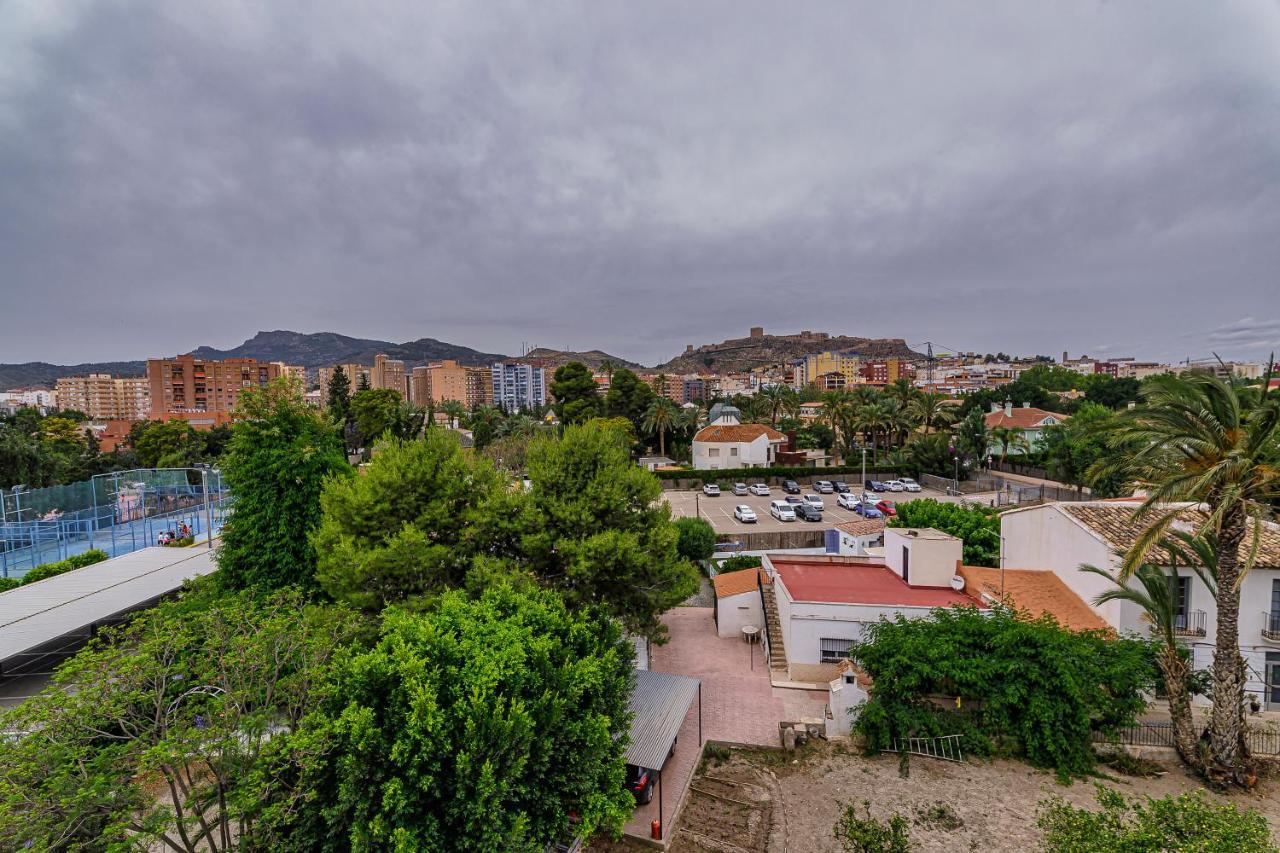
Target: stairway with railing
773, 629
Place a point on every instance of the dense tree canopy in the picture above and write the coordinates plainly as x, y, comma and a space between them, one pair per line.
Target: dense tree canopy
280, 455
979, 527
629, 397
577, 397
478, 726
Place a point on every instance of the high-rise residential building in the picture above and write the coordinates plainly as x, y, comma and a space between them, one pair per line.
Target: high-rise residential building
387, 373
518, 386
827, 369
294, 372
186, 384
106, 398
448, 380
357, 375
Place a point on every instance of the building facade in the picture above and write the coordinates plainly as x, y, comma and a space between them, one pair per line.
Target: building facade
189, 385
726, 443
388, 373
106, 398
518, 386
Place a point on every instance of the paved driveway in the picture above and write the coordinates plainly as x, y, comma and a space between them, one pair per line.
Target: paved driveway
719, 511
739, 705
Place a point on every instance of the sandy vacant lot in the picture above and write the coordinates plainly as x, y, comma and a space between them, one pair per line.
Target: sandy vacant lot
761, 800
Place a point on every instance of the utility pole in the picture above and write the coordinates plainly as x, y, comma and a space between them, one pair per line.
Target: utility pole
864, 467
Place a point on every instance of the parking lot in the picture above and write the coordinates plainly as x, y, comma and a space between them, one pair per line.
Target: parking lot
719, 511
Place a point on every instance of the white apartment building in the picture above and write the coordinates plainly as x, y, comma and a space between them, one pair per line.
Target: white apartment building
518, 386
1060, 537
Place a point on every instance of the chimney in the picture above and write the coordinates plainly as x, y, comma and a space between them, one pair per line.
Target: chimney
1008, 408
1026, 405
995, 407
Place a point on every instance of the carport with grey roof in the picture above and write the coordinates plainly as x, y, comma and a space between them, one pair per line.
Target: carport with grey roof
659, 704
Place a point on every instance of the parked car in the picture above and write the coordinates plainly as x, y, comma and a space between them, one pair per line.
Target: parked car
888, 508
761, 489
782, 511
640, 782
909, 484
807, 512
847, 500
874, 485
841, 487
815, 501
869, 497
824, 487
745, 514
867, 510
791, 487
711, 490
794, 499
894, 485
739, 488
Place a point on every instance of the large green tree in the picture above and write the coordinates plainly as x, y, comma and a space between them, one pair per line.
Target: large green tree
1199, 438
979, 527
594, 528
280, 455
661, 417
375, 413
338, 398
577, 398
399, 531
481, 725
629, 397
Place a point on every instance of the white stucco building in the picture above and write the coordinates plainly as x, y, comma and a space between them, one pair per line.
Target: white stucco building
738, 602
1062, 536
727, 443
1029, 422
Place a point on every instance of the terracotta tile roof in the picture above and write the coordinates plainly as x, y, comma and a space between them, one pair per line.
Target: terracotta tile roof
737, 432
847, 665
1115, 524
1034, 591
862, 526
734, 583
1021, 418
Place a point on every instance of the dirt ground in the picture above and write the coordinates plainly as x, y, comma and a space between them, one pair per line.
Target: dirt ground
763, 801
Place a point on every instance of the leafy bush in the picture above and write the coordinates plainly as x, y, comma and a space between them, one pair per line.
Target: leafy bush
867, 835
979, 527
1184, 822
697, 538
7, 584
992, 678
738, 563
48, 570
184, 542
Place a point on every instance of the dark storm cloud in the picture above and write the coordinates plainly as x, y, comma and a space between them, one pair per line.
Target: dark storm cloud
636, 177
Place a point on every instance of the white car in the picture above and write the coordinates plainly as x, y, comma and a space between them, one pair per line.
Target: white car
909, 484
848, 500
739, 488
745, 514
868, 498
814, 501
824, 487
761, 489
894, 485
782, 511
711, 490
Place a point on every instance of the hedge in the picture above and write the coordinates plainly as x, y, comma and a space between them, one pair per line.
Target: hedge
747, 475
48, 570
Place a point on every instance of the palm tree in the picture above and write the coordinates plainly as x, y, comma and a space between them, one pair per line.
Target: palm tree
1008, 437
870, 419
928, 410
902, 390
1156, 593
779, 399
837, 413
897, 421
1199, 438
661, 417
454, 411
971, 435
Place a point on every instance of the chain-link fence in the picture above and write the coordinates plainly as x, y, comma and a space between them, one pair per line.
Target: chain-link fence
117, 513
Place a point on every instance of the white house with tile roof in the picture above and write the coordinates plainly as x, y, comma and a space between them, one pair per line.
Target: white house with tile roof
727, 443
1059, 537
1029, 421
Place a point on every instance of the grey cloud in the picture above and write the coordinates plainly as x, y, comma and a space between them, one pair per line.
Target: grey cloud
639, 176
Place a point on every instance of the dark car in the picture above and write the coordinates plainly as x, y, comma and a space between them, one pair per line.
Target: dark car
791, 487
876, 485
807, 512
793, 500
842, 488
640, 782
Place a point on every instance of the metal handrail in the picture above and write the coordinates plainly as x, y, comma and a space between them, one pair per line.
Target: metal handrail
1191, 624
1271, 625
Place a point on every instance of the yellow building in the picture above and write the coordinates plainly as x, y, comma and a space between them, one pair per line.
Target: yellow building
823, 368
106, 398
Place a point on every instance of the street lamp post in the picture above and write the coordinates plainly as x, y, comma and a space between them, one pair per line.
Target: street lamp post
208, 512
864, 466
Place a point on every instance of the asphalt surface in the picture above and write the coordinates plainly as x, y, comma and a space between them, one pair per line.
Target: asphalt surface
719, 511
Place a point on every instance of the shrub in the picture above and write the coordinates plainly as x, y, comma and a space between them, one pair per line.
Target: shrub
867, 835
979, 527
7, 584
940, 815
738, 563
998, 676
1183, 822
79, 561
697, 538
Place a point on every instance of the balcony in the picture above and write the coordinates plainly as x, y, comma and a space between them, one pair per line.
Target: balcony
1190, 624
1271, 626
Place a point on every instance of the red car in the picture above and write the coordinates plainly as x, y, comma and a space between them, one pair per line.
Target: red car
887, 508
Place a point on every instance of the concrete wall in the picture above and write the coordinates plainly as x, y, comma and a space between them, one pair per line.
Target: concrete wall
932, 558
735, 611
732, 454
780, 540
845, 696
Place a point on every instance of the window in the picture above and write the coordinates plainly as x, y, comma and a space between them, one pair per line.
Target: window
713, 452
1182, 597
733, 451
833, 649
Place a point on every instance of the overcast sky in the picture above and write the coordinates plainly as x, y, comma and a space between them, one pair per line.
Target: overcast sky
1100, 177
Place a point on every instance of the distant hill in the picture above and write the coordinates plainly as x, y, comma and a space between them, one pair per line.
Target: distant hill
743, 354
593, 359
315, 350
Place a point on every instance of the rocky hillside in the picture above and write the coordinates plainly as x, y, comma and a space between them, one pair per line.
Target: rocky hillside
743, 354
593, 359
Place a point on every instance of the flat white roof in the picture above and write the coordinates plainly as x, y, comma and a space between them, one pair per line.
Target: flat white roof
39, 613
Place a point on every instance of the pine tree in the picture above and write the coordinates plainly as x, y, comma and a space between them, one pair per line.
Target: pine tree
339, 404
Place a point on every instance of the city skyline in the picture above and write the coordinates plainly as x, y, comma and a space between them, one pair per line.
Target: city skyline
1099, 179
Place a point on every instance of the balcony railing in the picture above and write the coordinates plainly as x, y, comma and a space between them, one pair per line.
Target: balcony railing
1271, 626
1189, 624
